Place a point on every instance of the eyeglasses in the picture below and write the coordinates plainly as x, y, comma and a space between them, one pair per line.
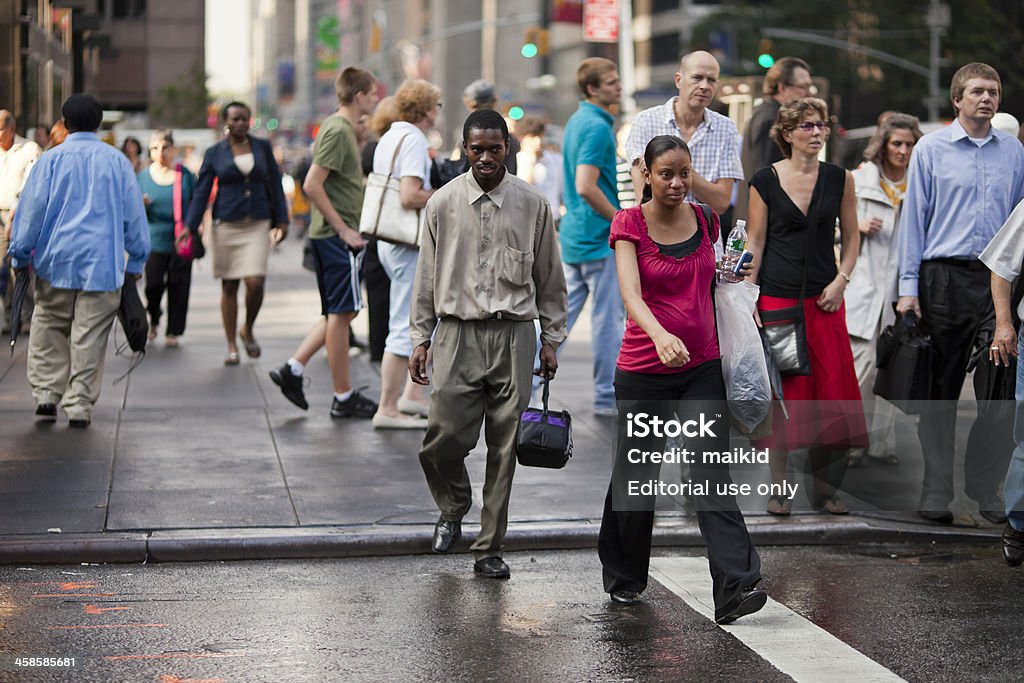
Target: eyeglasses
808, 126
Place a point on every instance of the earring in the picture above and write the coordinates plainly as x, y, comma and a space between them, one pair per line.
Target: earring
226, 130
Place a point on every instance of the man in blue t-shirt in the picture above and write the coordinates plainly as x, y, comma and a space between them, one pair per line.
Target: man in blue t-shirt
591, 201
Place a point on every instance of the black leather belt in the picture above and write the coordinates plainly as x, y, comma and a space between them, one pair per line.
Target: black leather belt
968, 263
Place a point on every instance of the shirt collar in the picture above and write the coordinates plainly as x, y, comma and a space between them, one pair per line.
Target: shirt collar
497, 195
584, 105
669, 110
81, 136
957, 132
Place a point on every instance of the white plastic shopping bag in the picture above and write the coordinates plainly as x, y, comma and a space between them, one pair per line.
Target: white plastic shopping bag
743, 364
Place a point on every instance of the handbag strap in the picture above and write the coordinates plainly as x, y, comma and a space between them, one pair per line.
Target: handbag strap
546, 394
177, 193
391, 172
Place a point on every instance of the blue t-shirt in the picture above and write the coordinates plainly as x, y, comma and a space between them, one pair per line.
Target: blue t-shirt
590, 140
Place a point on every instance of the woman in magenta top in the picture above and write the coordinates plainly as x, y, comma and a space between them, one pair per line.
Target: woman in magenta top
669, 366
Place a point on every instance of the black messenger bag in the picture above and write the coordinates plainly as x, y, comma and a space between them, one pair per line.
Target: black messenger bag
544, 438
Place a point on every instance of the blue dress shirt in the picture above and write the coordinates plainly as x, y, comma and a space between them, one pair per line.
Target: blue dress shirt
80, 211
958, 196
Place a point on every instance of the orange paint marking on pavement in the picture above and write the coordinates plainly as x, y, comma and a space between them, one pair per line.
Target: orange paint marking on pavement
81, 627
174, 679
93, 609
182, 655
73, 595
76, 586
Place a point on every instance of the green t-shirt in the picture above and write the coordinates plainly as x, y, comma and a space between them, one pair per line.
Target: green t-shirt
336, 150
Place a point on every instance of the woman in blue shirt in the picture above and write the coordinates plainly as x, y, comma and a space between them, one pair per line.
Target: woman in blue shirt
165, 270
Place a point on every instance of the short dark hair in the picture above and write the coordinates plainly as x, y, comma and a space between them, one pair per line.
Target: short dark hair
229, 105
529, 125
485, 119
658, 145
82, 112
351, 82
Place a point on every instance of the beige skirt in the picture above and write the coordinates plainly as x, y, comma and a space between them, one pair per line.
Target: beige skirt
240, 249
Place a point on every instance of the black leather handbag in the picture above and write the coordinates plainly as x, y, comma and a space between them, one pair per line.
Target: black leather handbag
544, 438
904, 361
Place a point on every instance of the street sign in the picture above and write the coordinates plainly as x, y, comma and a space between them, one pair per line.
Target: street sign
601, 21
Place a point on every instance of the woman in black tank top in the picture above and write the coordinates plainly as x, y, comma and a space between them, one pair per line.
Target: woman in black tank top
792, 217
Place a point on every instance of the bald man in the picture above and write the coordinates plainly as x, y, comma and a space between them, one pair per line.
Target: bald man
712, 138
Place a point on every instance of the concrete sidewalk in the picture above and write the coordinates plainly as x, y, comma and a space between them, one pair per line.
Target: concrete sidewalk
187, 459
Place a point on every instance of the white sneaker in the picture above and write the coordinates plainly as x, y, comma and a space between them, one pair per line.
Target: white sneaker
387, 422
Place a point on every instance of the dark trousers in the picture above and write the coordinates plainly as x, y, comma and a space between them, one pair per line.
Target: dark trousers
172, 273
957, 311
378, 297
624, 544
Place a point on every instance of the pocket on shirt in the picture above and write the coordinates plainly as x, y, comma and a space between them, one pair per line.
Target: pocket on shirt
516, 266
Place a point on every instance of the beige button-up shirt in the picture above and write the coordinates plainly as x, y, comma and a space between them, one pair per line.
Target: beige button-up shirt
489, 256
15, 163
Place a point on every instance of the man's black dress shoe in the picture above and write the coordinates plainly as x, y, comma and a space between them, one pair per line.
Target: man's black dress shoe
938, 516
46, 410
626, 597
492, 568
747, 602
1013, 546
79, 422
446, 533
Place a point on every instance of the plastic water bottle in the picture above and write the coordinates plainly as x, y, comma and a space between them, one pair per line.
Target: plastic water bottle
735, 246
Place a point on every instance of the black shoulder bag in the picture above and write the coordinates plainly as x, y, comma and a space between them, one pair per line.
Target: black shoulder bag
785, 330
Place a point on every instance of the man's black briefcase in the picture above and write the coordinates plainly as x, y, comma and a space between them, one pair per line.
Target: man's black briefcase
545, 437
904, 362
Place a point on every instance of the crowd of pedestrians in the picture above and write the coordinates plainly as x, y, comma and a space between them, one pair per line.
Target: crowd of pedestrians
518, 234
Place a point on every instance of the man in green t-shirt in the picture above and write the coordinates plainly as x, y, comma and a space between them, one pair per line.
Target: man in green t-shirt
334, 186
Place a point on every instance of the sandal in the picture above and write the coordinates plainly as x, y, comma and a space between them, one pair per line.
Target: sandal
152, 333
832, 505
779, 506
171, 342
232, 359
251, 347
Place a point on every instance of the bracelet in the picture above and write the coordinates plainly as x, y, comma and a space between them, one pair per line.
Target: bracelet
844, 276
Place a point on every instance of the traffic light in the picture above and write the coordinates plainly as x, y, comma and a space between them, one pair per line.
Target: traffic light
535, 42
764, 54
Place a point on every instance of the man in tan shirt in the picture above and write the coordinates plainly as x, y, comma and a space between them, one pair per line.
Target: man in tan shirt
489, 265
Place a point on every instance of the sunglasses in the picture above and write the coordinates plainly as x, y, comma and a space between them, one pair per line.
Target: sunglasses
808, 126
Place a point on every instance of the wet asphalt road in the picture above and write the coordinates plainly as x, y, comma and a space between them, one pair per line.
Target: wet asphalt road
925, 612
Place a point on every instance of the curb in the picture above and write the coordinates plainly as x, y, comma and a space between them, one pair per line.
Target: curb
211, 545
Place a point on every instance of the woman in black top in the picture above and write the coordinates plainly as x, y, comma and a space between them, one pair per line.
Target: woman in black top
825, 412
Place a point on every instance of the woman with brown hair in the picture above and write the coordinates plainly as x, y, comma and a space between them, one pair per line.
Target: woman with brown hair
791, 232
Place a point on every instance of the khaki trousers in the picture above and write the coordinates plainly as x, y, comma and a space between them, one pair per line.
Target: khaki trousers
482, 371
68, 345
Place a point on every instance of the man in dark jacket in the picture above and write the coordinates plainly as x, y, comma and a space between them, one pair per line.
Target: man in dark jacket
789, 79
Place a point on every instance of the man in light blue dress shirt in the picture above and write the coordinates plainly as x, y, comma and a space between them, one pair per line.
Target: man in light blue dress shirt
80, 212
963, 182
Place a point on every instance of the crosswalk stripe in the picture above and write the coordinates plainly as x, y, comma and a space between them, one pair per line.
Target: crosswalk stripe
792, 644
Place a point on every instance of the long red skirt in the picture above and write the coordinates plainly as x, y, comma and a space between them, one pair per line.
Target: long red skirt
824, 408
